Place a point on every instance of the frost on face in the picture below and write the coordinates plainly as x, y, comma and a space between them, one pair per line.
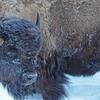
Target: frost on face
20, 43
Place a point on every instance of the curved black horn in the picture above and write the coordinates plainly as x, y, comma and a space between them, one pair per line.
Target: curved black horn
38, 21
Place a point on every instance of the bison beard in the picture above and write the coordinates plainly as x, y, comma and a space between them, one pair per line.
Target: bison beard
51, 78
24, 72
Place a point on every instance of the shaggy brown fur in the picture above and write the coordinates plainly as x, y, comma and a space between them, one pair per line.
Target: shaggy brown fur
24, 72
20, 70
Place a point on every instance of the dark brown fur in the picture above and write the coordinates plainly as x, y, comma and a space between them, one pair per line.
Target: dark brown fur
21, 71
24, 72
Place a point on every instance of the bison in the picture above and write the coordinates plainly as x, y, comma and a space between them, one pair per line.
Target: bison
23, 71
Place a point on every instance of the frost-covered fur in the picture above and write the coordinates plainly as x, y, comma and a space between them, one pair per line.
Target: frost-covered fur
18, 53
22, 72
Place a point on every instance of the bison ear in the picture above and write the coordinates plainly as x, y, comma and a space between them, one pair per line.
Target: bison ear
38, 21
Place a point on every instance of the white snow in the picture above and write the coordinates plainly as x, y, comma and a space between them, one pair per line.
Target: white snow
4, 94
80, 88
85, 88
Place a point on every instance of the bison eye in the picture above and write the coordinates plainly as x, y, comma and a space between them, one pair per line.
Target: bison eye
1, 41
12, 51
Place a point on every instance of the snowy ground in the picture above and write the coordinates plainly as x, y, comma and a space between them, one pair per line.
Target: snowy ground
80, 89
85, 88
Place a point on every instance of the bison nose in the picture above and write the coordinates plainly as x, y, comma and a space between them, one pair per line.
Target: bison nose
29, 78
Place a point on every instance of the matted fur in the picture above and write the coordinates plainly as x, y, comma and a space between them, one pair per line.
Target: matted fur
21, 71
25, 72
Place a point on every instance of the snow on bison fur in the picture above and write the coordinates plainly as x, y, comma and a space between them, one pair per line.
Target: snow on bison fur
24, 72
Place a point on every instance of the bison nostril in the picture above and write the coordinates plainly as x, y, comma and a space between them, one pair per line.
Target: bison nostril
29, 78
34, 61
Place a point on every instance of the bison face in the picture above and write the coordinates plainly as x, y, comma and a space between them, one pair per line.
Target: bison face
20, 44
